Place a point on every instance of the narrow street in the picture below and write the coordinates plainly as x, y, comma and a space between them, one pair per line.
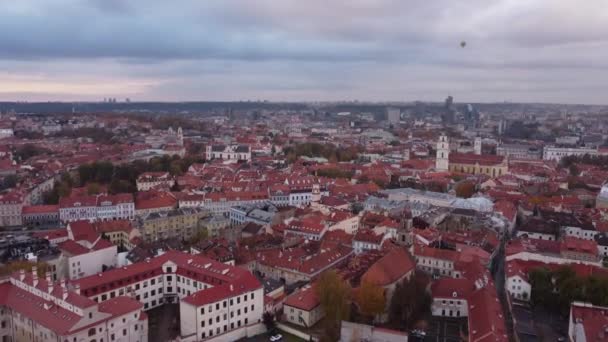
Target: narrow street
498, 273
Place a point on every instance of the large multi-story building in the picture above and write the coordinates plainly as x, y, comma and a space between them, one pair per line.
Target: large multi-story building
93, 208
151, 180
228, 152
218, 302
557, 153
40, 215
11, 204
182, 223
519, 151
221, 202
39, 309
475, 163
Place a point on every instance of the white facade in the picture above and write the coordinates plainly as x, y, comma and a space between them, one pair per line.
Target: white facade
208, 310
477, 146
454, 306
549, 259
109, 211
6, 133
536, 235
436, 266
350, 225
78, 213
25, 317
222, 316
443, 152
518, 288
229, 152
580, 233
557, 153
87, 264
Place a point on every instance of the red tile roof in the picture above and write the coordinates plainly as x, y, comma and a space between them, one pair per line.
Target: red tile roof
154, 200
40, 209
594, 320
471, 158
188, 265
83, 231
54, 317
393, 266
486, 321
452, 288
51, 234
72, 248
304, 299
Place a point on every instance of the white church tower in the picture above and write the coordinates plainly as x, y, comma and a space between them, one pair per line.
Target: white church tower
477, 146
443, 152
180, 137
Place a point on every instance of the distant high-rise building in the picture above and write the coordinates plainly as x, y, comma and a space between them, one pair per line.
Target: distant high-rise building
393, 115
448, 102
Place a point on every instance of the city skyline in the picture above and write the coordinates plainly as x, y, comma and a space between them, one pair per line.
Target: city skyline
537, 51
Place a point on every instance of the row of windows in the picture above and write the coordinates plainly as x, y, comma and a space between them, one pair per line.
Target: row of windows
225, 303
225, 316
219, 331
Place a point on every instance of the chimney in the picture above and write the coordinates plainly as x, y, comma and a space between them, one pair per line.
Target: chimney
65, 293
21, 275
77, 288
231, 288
34, 276
63, 283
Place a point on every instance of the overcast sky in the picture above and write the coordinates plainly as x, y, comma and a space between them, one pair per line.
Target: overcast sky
516, 50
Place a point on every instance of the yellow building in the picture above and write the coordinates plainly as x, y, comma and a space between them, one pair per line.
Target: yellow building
183, 223
487, 164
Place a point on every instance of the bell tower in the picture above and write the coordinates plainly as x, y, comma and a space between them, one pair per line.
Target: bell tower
443, 152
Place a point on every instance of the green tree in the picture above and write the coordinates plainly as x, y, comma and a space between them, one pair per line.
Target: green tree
86, 173
410, 301
104, 171
93, 189
118, 186
334, 295
541, 280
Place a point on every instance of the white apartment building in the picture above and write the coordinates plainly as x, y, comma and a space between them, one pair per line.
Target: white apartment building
38, 309
149, 180
93, 208
115, 207
217, 301
11, 205
557, 153
518, 287
228, 152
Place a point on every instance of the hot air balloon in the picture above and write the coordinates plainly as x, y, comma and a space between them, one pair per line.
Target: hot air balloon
463, 44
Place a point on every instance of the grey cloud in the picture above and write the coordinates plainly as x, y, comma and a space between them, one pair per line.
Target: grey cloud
291, 49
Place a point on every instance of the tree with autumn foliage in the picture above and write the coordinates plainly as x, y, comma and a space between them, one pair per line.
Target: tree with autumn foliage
334, 295
15, 266
465, 189
370, 300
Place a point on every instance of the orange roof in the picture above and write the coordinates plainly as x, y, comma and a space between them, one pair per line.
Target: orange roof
390, 268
